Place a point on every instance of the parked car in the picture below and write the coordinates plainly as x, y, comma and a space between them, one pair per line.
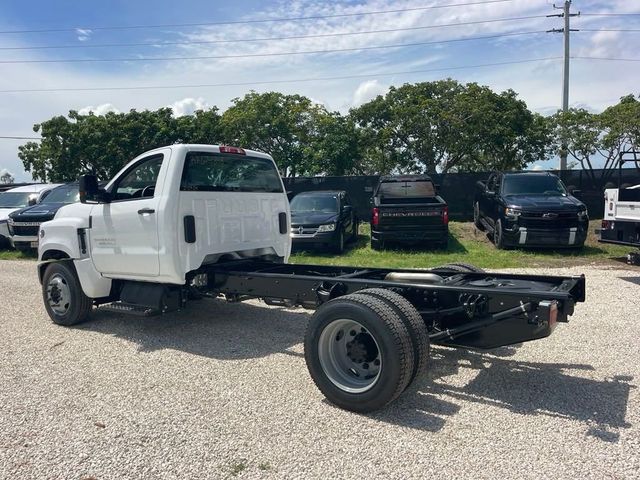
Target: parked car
530, 209
17, 198
408, 210
24, 224
323, 219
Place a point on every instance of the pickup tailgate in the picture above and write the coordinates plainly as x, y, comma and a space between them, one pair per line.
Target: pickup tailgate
427, 212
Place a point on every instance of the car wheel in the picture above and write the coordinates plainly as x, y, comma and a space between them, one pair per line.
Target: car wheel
338, 246
476, 216
498, 236
376, 245
62, 293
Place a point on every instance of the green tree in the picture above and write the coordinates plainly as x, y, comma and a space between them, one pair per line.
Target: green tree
282, 125
447, 126
102, 144
596, 141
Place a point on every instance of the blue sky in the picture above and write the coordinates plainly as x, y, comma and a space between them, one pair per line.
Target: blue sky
594, 84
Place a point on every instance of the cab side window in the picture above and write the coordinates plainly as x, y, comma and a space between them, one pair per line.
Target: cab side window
139, 181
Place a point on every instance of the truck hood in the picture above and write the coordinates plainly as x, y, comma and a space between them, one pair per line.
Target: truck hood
37, 213
308, 218
545, 202
4, 212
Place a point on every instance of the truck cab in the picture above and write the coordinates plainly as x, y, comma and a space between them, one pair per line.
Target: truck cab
164, 215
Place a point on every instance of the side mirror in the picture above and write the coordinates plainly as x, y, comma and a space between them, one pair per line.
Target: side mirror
32, 201
575, 193
490, 193
347, 208
90, 192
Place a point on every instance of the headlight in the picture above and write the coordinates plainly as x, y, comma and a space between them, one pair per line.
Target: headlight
583, 214
330, 227
512, 212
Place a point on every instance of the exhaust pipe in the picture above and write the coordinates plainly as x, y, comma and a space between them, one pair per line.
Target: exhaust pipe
413, 277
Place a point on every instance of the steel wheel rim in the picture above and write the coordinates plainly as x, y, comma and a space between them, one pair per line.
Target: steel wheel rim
349, 356
58, 294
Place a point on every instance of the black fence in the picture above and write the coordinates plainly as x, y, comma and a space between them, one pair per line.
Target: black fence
458, 189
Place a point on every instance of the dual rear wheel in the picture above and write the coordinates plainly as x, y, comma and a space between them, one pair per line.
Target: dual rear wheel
364, 349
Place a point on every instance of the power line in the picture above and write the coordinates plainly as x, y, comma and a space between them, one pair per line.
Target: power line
606, 30
257, 55
4, 137
611, 14
266, 20
610, 59
243, 40
267, 82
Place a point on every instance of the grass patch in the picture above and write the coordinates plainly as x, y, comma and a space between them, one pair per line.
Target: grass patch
467, 245
16, 255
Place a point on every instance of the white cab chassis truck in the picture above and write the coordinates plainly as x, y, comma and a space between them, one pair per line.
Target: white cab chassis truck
185, 222
621, 222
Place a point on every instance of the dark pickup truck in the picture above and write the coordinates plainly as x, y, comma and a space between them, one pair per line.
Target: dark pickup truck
407, 209
530, 209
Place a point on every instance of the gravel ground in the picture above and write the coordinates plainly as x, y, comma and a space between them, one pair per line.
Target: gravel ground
222, 391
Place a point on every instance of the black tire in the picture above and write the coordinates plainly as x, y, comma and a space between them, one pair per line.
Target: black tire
476, 217
376, 245
354, 235
338, 246
391, 339
498, 238
76, 307
458, 267
412, 321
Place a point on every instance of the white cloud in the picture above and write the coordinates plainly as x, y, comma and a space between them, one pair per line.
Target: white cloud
83, 34
99, 110
368, 91
537, 168
188, 106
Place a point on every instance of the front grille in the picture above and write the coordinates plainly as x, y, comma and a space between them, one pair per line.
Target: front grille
25, 231
547, 221
304, 230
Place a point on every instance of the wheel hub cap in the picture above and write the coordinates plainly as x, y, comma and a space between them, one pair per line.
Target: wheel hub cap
58, 294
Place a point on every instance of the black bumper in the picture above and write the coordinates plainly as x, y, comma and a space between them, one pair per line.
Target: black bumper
430, 235
324, 239
542, 237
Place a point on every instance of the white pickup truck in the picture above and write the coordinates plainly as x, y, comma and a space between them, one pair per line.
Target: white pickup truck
190, 221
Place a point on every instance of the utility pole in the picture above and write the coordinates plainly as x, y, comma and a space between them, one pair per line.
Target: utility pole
566, 31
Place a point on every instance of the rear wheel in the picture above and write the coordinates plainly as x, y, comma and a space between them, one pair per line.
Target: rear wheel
359, 352
63, 297
458, 267
412, 321
376, 244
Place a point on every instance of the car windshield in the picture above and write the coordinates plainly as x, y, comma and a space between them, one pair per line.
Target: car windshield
533, 185
407, 189
15, 199
63, 195
315, 204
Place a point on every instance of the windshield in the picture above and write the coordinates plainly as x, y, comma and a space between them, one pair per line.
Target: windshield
314, 204
410, 189
533, 185
63, 195
15, 199
213, 172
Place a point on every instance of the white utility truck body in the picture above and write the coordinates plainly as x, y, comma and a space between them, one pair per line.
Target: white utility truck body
621, 222
140, 233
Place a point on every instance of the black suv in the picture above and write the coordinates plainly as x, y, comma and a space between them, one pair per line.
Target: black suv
323, 219
25, 223
530, 209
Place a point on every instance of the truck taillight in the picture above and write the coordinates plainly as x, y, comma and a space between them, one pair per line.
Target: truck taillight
445, 215
375, 216
236, 150
606, 224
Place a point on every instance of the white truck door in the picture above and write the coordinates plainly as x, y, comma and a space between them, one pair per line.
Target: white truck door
124, 233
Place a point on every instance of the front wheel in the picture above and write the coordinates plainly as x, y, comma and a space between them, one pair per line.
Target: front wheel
498, 236
62, 293
476, 217
338, 246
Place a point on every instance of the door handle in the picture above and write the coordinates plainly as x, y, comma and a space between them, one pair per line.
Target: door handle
142, 211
